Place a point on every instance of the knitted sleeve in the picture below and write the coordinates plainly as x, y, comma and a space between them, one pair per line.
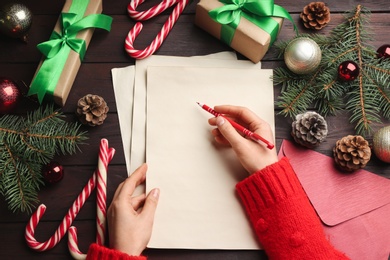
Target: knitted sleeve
96, 252
281, 214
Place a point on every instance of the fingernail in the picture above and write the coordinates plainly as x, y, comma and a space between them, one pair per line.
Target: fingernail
156, 193
220, 121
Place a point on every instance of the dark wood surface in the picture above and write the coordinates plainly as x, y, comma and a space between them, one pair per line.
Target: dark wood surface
19, 61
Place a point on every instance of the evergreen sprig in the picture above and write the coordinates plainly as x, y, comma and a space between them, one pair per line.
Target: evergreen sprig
26, 144
367, 98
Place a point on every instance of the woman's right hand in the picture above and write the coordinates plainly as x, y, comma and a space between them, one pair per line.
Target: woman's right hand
253, 156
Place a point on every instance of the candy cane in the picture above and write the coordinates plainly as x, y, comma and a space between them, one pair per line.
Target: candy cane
157, 42
105, 156
152, 12
72, 212
63, 227
73, 244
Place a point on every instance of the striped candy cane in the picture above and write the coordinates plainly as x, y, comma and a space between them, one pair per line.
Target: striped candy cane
152, 12
105, 156
65, 224
72, 212
157, 42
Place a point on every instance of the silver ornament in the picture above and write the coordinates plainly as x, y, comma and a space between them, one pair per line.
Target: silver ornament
15, 20
381, 144
302, 55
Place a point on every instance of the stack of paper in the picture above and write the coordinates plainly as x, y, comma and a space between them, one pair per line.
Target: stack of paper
161, 124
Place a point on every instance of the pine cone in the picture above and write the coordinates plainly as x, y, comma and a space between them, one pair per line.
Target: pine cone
315, 15
351, 153
92, 110
309, 129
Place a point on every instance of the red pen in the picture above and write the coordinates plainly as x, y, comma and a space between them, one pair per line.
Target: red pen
255, 137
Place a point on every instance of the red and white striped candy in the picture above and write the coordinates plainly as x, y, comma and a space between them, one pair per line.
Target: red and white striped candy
152, 12
157, 42
105, 156
65, 224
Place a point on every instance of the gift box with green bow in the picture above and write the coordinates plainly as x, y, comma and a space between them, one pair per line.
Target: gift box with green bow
66, 48
248, 26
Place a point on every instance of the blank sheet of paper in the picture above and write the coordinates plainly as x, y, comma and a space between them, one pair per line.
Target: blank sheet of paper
123, 84
218, 60
198, 207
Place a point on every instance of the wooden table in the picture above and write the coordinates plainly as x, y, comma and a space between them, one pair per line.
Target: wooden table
19, 61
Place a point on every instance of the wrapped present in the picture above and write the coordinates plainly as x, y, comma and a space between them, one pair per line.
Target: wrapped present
248, 26
65, 50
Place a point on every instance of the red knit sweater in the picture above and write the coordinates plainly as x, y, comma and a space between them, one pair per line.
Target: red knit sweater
281, 214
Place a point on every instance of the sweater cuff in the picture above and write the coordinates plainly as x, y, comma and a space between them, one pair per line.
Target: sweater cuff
269, 186
98, 252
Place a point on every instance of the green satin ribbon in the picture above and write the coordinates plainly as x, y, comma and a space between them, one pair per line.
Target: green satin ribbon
57, 49
258, 12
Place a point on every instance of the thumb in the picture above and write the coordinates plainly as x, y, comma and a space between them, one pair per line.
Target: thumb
228, 131
151, 203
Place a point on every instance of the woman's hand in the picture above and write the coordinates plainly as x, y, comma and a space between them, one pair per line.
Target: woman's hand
130, 219
253, 156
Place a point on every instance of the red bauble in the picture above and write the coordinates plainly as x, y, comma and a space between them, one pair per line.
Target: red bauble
383, 51
53, 172
9, 95
348, 70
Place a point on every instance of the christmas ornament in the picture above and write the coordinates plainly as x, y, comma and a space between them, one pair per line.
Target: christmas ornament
348, 71
9, 95
53, 172
302, 55
15, 20
351, 153
381, 144
366, 99
383, 51
315, 15
309, 129
92, 110
31, 142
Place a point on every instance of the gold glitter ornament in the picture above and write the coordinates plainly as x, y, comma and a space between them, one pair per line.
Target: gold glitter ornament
302, 55
381, 144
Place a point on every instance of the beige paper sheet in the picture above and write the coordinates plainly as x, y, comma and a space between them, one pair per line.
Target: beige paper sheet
139, 113
198, 206
123, 84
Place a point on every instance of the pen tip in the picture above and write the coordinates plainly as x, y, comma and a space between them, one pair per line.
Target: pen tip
199, 104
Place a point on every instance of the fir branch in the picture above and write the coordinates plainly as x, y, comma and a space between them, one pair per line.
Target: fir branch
27, 143
366, 99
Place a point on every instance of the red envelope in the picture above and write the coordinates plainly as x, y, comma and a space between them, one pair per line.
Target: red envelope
353, 207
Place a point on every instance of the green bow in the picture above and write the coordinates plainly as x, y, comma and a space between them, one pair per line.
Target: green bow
70, 28
258, 12
58, 48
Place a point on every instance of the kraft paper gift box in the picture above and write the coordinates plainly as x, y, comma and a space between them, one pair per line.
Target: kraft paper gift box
354, 208
253, 34
64, 51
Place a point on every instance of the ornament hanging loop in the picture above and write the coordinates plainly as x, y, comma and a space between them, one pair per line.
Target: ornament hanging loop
145, 15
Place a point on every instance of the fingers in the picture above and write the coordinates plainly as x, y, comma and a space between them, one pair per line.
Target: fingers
245, 117
138, 201
127, 187
219, 137
151, 204
228, 131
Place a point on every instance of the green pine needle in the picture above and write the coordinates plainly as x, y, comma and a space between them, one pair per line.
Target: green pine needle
26, 144
366, 99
